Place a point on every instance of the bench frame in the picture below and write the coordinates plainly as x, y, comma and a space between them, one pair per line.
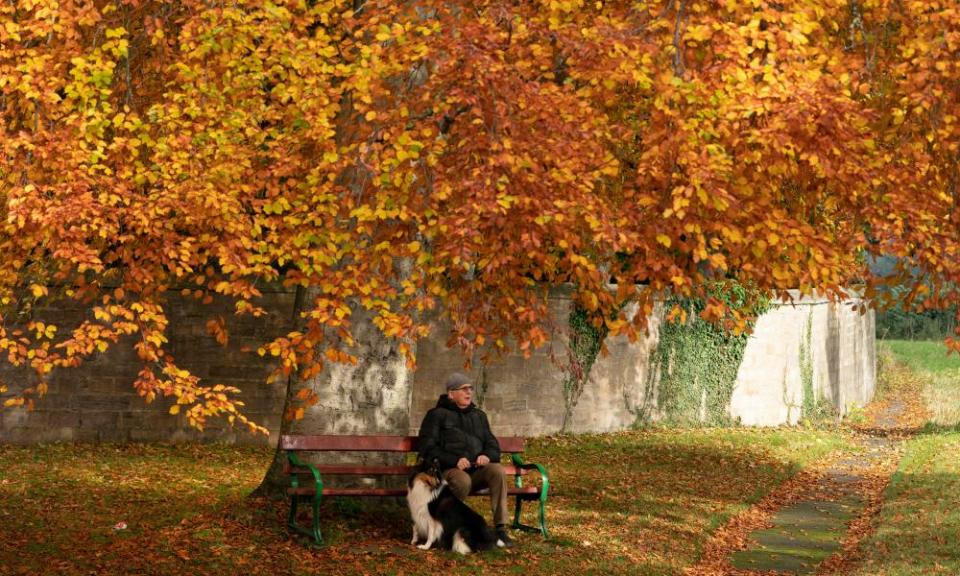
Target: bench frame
315, 491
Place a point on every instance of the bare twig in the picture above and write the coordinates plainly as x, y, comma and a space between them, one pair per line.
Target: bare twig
678, 67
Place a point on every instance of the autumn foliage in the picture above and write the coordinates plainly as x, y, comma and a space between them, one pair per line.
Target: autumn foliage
408, 158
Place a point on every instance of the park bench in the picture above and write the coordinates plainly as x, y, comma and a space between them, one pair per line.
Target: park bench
307, 480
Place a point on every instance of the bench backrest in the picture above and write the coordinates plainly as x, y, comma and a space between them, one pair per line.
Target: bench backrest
327, 442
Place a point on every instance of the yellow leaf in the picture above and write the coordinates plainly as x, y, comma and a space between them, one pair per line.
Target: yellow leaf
38, 290
663, 239
175, 409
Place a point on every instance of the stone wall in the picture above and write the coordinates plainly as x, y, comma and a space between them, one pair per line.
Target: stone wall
525, 397
830, 343
840, 363
97, 402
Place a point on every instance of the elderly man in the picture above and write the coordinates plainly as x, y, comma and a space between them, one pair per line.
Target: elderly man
457, 434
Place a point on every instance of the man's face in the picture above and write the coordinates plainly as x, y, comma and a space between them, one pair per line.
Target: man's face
462, 396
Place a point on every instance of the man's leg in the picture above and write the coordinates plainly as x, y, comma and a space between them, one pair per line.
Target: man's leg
459, 482
492, 476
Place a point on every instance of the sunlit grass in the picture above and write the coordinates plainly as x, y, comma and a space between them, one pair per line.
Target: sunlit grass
918, 530
929, 356
940, 373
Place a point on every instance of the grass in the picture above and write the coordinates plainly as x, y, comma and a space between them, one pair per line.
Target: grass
918, 529
940, 373
924, 356
640, 502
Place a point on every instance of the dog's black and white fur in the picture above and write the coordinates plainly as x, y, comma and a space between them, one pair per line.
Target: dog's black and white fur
440, 518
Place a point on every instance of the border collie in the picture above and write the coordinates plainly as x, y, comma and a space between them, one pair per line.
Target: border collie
441, 518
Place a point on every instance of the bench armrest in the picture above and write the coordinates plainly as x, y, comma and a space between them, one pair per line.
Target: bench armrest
520, 465
294, 478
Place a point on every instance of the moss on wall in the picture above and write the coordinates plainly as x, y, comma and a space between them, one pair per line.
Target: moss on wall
813, 407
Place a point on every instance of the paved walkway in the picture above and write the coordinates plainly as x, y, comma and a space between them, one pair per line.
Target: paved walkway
813, 527
808, 531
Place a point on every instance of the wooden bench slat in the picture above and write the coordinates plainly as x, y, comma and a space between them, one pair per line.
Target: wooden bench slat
512, 491
511, 444
377, 470
350, 443
309, 491
355, 470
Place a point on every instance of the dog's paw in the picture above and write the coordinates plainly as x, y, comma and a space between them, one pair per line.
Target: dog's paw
500, 543
423, 546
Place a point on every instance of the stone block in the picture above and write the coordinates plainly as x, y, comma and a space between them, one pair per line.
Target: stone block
99, 420
95, 384
100, 403
515, 406
59, 419
84, 434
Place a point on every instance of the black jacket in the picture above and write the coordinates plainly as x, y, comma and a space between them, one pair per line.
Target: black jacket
449, 433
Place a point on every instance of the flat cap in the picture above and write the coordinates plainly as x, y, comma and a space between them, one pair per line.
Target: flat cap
456, 380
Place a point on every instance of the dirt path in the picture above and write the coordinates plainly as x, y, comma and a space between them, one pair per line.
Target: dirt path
813, 524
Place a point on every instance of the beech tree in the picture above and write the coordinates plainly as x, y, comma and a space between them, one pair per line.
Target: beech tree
397, 160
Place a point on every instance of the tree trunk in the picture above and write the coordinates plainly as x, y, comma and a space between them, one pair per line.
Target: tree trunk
371, 397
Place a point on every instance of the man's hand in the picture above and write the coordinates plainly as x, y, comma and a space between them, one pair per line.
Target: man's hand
483, 460
463, 463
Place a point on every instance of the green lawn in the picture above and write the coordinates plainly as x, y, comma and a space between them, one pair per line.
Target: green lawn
918, 529
940, 373
928, 356
640, 502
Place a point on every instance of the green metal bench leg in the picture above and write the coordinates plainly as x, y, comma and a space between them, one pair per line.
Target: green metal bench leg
544, 489
314, 530
317, 538
292, 518
543, 514
516, 513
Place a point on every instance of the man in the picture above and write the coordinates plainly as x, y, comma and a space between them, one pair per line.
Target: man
457, 434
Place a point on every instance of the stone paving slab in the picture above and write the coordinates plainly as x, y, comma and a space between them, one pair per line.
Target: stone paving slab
805, 533
777, 562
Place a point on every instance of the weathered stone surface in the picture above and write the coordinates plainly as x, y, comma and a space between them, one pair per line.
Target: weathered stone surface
96, 401
523, 396
770, 389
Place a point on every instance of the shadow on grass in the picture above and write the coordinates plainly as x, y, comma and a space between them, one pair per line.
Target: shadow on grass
932, 429
619, 504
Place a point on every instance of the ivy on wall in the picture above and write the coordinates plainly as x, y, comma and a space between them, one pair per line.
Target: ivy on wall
694, 367
584, 345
